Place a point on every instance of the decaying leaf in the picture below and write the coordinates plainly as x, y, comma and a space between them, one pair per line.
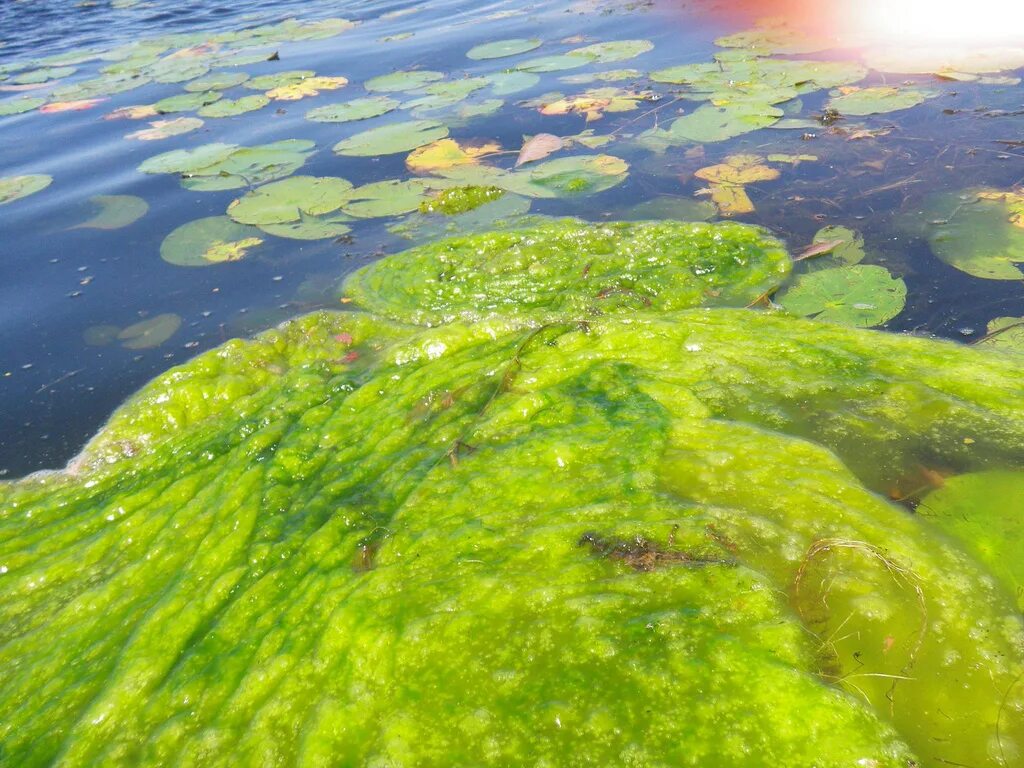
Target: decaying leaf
447, 153
538, 147
728, 179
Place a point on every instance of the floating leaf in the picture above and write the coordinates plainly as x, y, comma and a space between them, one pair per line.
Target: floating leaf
672, 209
1005, 334
847, 247
976, 234
16, 187
617, 50
595, 102
217, 81
388, 198
507, 83
207, 241
538, 147
188, 161
609, 76
311, 227
861, 295
19, 105
350, 111
390, 139
729, 178
447, 153
214, 167
708, 124
150, 333
135, 112
288, 200
233, 107
501, 48
186, 102
553, 63
115, 212
483, 108
309, 87
568, 176
402, 81
79, 105
162, 129
876, 100
279, 79
773, 37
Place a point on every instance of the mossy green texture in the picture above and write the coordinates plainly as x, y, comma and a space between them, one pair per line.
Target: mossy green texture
643, 538
574, 269
456, 200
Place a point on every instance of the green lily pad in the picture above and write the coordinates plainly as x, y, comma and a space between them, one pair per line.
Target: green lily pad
617, 50
16, 187
212, 240
115, 212
350, 111
279, 79
439, 96
150, 333
169, 70
984, 512
217, 81
850, 250
402, 81
553, 63
863, 295
215, 167
233, 107
708, 124
311, 227
288, 200
471, 110
391, 139
186, 102
507, 83
387, 198
188, 161
99, 87
20, 105
501, 48
877, 100
1005, 334
43, 75
975, 235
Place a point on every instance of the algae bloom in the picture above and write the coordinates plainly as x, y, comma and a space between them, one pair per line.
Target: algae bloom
551, 497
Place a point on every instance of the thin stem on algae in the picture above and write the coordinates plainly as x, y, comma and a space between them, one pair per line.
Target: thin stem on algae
902, 576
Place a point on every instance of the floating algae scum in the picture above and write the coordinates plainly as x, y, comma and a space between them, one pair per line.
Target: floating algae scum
548, 495
558, 472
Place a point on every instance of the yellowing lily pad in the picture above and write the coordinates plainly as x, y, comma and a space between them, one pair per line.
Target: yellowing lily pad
16, 187
310, 86
350, 111
279, 79
447, 153
393, 138
290, 199
150, 333
861, 295
728, 179
501, 48
115, 212
212, 240
163, 129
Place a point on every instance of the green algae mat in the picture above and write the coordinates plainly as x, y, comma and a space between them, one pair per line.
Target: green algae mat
552, 497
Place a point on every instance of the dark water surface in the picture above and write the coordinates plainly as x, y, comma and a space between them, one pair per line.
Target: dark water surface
57, 281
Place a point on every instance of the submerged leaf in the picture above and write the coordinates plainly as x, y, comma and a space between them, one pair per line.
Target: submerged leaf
150, 333
402, 81
729, 178
977, 232
115, 212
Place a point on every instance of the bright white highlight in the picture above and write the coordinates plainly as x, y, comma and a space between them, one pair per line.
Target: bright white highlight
958, 22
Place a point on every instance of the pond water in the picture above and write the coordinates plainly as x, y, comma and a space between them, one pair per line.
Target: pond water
871, 173
561, 488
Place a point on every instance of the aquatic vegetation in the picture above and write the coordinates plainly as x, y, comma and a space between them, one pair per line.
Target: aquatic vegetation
563, 518
217, 166
164, 129
977, 231
863, 295
391, 139
349, 111
729, 179
876, 100
502, 48
115, 211
456, 200
210, 240
16, 187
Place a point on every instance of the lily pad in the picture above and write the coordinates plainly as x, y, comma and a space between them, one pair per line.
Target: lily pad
242, 166
387, 198
447, 153
188, 161
617, 50
350, 111
43, 75
501, 48
16, 187
1005, 334
115, 212
849, 251
100, 335
279, 79
976, 234
311, 86
217, 81
863, 295
553, 63
311, 227
233, 107
186, 102
289, 200
163, 129
212, 240
402, 81
507, 83
876, 100
150, 333
19, 105
672, 209
391, 139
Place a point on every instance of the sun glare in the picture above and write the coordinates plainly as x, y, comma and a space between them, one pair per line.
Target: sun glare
938, 21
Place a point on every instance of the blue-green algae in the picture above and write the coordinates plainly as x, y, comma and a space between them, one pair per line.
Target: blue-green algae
548, 531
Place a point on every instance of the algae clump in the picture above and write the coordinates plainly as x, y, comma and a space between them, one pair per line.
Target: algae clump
554, 529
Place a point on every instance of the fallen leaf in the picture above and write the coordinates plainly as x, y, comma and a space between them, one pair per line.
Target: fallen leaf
538, 147
818, 249
729, 178
162, 129
447, 153
70, 106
